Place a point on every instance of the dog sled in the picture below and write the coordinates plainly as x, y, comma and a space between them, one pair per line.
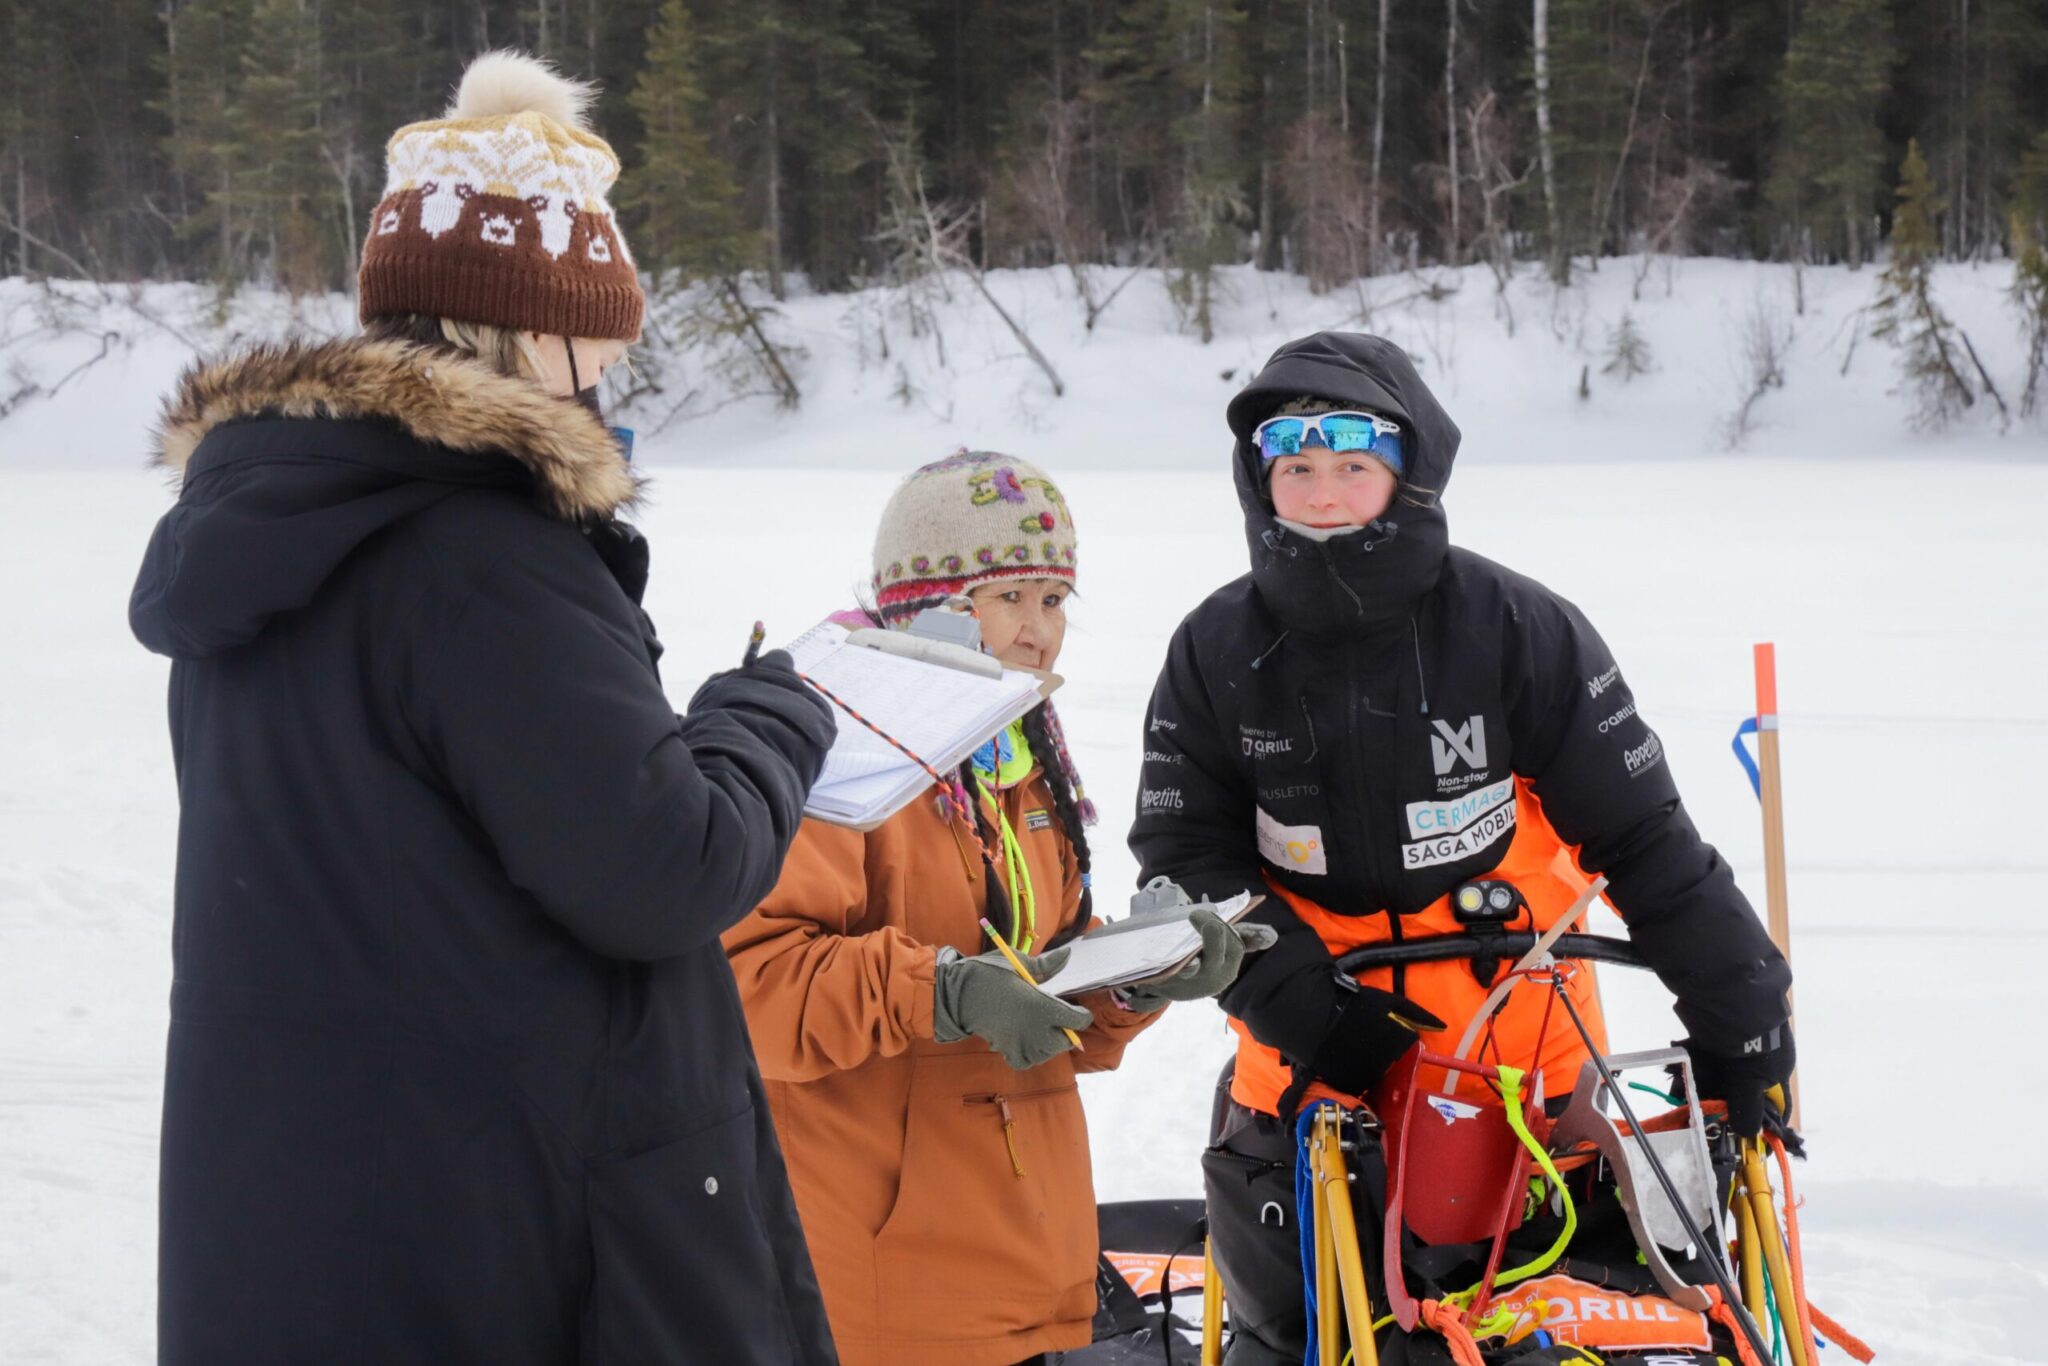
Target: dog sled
1474, 1213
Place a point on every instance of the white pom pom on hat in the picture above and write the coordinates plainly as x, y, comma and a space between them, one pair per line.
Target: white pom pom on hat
506, 82
498, 213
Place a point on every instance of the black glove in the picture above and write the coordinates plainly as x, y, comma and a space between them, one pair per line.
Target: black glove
1372, 1030
778, 707
1743, 1082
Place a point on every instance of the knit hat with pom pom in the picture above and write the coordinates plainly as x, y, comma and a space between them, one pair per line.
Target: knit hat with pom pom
496, 213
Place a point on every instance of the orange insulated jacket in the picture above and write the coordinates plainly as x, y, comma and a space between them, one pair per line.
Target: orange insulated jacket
947, 1199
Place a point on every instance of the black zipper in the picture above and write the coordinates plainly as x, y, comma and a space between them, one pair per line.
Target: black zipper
1382, 816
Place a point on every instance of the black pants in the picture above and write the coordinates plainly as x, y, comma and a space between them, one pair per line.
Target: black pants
1248, 1177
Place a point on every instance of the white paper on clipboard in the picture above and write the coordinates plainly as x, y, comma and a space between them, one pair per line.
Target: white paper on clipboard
939, 713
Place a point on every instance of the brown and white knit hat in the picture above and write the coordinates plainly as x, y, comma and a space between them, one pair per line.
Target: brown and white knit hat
970, 519
496, 213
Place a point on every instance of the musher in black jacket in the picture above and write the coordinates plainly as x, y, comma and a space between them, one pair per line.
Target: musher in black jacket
1371, 718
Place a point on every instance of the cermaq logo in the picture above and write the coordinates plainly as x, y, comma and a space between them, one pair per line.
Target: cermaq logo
1467, 742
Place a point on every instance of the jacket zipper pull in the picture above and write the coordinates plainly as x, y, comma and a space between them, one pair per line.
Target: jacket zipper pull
1009, 1134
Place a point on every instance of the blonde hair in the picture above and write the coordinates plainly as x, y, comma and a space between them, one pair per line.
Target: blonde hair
504, 349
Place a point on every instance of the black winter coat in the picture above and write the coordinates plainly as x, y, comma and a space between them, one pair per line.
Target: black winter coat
457, 1071
1346, 690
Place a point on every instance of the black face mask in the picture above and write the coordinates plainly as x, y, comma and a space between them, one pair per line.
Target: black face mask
584, 397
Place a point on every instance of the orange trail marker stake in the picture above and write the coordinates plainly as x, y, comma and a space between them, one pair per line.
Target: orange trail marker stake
1772, 792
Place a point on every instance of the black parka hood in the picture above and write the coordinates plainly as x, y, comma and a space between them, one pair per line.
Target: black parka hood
291, 457
1372, 577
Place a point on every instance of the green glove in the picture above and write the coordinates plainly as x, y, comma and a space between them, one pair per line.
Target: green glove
1213, 967
984, 996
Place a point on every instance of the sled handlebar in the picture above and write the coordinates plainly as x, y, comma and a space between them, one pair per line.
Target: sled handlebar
1447, 948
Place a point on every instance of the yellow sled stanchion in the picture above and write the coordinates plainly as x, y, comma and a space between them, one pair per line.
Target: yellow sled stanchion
1756, 1181
1749, 1253
1329, 1308
1337, 1246
1212, 1308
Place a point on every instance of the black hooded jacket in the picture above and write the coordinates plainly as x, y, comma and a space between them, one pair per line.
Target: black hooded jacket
1342, 681
457, 1071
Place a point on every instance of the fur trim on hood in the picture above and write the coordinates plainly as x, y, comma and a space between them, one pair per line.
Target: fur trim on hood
443, 399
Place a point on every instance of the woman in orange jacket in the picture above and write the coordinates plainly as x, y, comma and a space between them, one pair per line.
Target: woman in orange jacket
924, 1094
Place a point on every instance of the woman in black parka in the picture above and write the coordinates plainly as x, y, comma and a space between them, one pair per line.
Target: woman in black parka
457, 1071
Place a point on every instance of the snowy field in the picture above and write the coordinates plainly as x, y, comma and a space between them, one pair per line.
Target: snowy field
1903, 589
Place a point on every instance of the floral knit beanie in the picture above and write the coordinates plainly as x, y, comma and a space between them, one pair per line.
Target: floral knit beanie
970, 519
496, 213
975, 517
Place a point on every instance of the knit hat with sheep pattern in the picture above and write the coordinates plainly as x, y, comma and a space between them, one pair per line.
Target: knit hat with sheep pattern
496, 213
973, 518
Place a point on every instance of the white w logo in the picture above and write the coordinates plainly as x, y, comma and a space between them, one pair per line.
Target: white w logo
1467, 742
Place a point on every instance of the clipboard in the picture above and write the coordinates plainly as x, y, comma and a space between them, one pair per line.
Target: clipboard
1112, 955
938, 700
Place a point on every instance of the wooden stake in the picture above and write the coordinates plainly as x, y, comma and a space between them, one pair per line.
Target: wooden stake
1773, 794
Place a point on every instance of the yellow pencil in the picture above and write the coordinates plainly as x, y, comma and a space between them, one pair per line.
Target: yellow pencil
1018, 964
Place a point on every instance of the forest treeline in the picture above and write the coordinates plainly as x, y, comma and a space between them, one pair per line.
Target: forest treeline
241, 140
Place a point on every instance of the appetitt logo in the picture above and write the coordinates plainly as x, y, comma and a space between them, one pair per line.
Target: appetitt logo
1466, 742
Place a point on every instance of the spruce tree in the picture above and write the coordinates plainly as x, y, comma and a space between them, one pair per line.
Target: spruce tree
273, 139
1170, 82
2029, 223
1826, 170
1628, 351
681, 192
1905, 309
202, 64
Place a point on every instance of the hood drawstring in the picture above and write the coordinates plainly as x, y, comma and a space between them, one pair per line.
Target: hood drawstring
1421, 683
1267, 653
1274, 542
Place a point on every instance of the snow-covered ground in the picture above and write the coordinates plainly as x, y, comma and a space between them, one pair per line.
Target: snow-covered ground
1902, 588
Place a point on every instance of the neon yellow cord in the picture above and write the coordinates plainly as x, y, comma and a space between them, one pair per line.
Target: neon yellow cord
1023, 896
1511, 1100
1011, 769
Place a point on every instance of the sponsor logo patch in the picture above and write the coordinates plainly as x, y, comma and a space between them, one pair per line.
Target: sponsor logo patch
1583, 1314
1644, 757
1426, 819
1288, 793
1160, 756
1596, 686
1628, 709
1258, 744
1146, 1272
1160, 799
1038, 820
1451, 744
1451, 1111
1298, 848
1484, 831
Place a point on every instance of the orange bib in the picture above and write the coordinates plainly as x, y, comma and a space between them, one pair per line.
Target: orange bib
1546, 870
